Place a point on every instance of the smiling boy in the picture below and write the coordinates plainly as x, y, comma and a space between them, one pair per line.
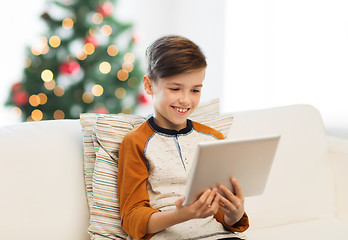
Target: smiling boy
155, 157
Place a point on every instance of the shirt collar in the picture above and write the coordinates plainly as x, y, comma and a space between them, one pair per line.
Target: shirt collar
157, 128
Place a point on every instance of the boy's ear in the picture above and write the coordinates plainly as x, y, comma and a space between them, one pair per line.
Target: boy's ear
147, 83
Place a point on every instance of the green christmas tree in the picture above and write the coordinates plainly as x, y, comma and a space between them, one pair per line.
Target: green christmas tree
84, 63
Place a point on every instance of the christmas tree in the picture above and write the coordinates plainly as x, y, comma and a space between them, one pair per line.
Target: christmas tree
84, 63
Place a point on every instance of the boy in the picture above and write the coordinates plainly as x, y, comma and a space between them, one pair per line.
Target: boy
155, 157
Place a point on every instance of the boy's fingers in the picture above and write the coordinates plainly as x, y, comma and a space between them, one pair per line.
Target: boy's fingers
228, 193
237, 188
229, 197
179, 202
211, 197
216, 201
203, 198
225, 202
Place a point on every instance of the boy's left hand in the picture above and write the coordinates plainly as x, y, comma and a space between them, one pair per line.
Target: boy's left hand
232, 204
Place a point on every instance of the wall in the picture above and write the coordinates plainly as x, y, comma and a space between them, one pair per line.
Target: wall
288, 52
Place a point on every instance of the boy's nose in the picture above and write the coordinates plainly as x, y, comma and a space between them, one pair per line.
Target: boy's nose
184, 99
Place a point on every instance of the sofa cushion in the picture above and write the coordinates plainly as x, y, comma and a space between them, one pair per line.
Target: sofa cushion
300, 186
320, 229
338, 152
42, 187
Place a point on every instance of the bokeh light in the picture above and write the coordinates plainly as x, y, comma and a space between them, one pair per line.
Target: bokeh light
58, 114
43, 98
40, 47
50, 85
127, 67
122, 75
87, 97
46, 75
97, 90
106, 30
27, 62
104, 67
97, 18
89, 48
59, 91
36, 115
82, 55
120, 92
112, 50
34, 100
54, 41
127, 110
68, 23
129, 57
16, 111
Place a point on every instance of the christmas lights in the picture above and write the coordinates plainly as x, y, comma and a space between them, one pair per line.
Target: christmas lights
87, 97
58, 114
112, 50
89, 48
105, 67
50, 85
97, 18
67, 23
54, 41
83, 63
47, 75
120, 92
97, 90
106, 30
36, 115
59, 91
122, 75
34, 100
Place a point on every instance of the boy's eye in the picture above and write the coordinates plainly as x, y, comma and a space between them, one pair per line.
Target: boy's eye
195, 91
174, 89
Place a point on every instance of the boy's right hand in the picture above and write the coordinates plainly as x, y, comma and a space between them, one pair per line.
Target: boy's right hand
206, 205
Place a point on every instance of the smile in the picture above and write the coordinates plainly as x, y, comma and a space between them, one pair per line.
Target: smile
181, 110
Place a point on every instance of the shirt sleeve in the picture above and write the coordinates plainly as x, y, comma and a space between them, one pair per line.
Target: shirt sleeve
134, 200
240, 226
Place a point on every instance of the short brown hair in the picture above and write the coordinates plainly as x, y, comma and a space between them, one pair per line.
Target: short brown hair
171, 55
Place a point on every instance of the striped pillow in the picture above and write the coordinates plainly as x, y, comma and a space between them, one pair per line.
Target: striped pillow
87, 121
109, 131
103, 135
222, 122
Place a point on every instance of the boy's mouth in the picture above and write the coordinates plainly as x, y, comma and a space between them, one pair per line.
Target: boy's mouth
181, 110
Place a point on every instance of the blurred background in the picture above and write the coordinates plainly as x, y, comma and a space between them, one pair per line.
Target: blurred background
260, 54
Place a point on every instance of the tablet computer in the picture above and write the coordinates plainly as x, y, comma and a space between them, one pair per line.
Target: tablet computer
247, 160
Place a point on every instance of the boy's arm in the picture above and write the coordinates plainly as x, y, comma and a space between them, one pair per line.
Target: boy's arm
133, 197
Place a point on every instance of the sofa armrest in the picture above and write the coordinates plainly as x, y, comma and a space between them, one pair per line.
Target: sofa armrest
338, 153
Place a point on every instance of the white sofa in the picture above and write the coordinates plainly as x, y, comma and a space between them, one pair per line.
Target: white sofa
43, 193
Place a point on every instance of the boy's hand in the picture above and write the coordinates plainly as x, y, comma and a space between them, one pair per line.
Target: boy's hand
207, 205
233, 204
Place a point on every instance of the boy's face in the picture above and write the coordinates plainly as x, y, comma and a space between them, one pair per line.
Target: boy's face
175, 97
